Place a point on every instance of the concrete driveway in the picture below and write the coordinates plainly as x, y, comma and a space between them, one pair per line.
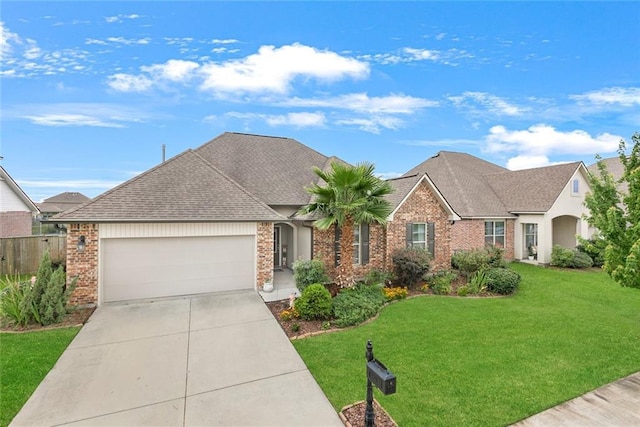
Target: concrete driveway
217, 359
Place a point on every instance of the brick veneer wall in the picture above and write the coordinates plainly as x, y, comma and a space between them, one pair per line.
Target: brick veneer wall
264, 261
83, 265
421, 206
15, 224
469, 234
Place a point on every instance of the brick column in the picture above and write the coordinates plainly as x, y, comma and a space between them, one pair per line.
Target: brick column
264, 261
83, 265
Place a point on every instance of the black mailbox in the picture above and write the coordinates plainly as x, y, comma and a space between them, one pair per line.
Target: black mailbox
379, 375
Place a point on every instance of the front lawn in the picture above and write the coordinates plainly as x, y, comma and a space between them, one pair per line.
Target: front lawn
25, 361
488, 361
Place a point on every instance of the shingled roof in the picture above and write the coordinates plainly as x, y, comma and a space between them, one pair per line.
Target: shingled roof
185, 188
402, 187
532, 190
61, 202
460, 179
477, 188
615, 168
276, 170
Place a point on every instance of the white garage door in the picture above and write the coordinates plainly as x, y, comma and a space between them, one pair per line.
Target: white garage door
159, 267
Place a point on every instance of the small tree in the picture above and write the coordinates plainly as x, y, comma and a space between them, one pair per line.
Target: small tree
616, 214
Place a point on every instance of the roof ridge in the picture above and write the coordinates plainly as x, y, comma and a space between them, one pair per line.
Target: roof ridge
403, 177
126, 183
232, 181
24, 196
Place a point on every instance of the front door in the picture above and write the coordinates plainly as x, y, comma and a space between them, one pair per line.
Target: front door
276, 247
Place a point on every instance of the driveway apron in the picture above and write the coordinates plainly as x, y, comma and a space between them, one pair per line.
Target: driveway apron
216, 359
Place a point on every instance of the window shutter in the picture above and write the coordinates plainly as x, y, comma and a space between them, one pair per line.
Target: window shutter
336, 246
431, 238
364, 244
409, 234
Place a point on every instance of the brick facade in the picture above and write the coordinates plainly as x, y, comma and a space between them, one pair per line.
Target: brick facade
15, 224
421, 207
469, 234
83, 265
264, 261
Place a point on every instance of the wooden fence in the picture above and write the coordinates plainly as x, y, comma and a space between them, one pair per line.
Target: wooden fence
22, 254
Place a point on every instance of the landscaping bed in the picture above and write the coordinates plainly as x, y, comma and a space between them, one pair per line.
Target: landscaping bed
76, 317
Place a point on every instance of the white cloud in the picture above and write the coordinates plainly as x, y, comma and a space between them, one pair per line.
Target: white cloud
70, 120
95, 41
129, 83
410, 54
626, 97
299, 120
362, 102
536, 144
491, 103
121, 17
422, 54
128, 42
373, 124
224, 41
388, 175
175, 70
7, 41
272, 70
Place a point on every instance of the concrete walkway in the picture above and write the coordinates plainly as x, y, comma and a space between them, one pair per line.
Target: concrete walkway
219, 359
615, 404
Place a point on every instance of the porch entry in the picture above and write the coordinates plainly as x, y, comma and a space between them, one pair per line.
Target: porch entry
281, 246
530, 232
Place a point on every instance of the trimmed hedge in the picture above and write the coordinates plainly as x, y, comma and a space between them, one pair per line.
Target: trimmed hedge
314, 303
502, 280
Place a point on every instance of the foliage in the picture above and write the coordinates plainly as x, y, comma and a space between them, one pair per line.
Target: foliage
470, 261
594, 247
564, 333
616, 214
410, 265
314, 303
307, 273
357, 304
502, 281
440, 283
395, 293
13, 293
378, 277
567, 258
463, 291
295, 327
351, 195
26, 360
478, 282
288, 314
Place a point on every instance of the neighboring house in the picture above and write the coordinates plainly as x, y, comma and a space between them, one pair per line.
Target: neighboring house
224, 217
16, 208
515, 210
55, 205
614, 167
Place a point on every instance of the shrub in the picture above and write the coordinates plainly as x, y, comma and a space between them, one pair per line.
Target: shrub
314, 303
395, 293
295, 327
581, 260
440, 283
355, 305
502, 280
567, 258
307, 273
463, 291
496, 257
478, 282
410, 264
468, 262
14, 292
593, 247
378, 277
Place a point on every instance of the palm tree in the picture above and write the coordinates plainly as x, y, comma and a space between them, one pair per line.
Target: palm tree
352, 195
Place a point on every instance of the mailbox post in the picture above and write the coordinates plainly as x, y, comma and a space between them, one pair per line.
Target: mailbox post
379, 375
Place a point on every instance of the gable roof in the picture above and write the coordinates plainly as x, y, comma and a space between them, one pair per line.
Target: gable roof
532, 190
61, 202
274, 169
460, 179
405, 185
615, 168
185, 188
15, 188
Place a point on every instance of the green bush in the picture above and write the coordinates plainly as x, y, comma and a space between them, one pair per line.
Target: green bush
567, 258
502, 280
463, 291
440, 283
355, 305
468, 262
314, 303
478, 282
307, 273
410, 265
13, 293
496, 257
593, 247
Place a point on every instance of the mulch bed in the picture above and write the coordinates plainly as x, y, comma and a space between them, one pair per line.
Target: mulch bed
354, 415
77, 317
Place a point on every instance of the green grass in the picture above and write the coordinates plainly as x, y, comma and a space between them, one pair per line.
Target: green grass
488, 361
25, 360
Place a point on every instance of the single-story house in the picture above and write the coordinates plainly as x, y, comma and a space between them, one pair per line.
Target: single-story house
224, 216
517, 210
16, 208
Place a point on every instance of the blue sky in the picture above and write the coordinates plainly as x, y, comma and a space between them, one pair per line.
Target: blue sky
91, 90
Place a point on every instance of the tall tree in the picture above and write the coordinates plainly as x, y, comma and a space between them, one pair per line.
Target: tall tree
615, 212
350, 195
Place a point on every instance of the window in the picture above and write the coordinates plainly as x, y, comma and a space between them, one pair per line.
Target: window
494, 233
421, 235
356, 244
531, 239
360, 244
575, 187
